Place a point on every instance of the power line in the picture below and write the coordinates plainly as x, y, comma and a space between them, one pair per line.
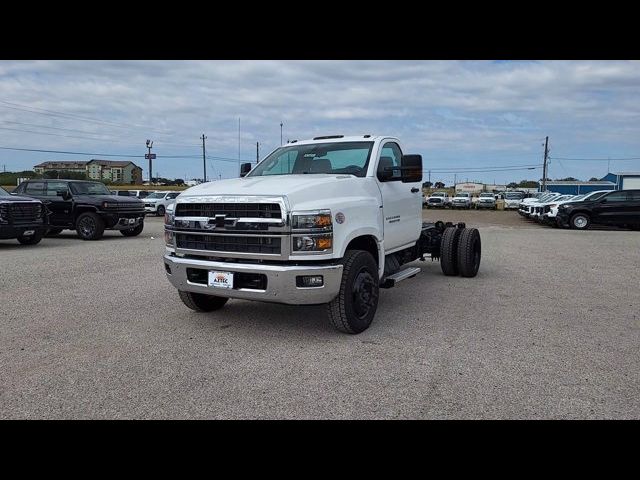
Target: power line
469, 169
43, 111
94, 154
596, 159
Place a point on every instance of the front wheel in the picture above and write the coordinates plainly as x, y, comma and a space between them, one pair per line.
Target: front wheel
354, 307
133, 232
580, 221
160, 211
89, 226
31, 239
201, 302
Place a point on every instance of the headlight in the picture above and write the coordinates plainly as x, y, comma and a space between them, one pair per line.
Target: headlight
169, 214
312, 231
312, 243
319, 220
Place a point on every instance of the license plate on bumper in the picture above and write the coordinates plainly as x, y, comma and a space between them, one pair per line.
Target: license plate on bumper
220, 279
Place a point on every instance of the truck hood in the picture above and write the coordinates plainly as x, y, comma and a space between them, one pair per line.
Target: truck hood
15, 199
298, 188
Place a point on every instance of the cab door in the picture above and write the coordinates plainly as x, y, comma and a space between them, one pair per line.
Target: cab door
401, 202
612, 208
61, 209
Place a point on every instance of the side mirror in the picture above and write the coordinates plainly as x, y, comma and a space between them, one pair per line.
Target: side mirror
244, 169
411, 168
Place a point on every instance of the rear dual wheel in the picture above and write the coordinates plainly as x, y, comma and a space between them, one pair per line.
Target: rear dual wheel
460, 252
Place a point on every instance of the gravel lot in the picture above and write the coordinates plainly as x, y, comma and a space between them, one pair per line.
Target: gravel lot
549, 328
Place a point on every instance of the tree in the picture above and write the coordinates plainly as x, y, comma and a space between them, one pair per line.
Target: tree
427, 184
439, 184
512, 185
593, 179
528, 184
568, 179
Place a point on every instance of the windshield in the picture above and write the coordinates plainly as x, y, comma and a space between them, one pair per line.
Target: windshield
513, 196
438, 194
334, 158
486, 195
3, 192
89, 188
464, 195
156, 195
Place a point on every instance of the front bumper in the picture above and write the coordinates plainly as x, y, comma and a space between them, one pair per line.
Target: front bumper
8, 232
485, 205
123, 222
280, 280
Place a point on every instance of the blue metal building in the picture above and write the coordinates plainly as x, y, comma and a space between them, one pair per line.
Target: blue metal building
577, 188
624, 180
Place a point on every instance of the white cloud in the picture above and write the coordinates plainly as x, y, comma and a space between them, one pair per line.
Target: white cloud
443, 109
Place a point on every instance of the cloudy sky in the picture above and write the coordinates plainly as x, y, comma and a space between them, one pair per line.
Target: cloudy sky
462, 116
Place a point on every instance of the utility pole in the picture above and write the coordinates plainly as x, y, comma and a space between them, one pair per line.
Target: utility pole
149, 145
280, 133
239, 146
429, 178
204, 157
257, 152
544, 166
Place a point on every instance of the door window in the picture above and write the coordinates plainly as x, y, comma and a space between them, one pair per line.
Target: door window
391, 156
54, 187
34, 188
616, 197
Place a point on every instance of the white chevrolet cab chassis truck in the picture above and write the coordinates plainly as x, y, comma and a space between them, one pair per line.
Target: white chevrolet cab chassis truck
324, 221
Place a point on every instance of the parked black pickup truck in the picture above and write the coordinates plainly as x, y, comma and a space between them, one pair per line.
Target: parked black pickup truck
22, 218
85, 206
619, 208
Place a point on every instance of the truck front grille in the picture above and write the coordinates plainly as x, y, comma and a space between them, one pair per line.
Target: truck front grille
231, 210
21, 212
229, 243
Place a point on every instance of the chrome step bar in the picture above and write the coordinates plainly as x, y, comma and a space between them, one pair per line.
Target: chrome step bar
391, 280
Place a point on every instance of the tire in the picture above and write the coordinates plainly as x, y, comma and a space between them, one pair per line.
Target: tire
201, 302
449, 251
31, 239
52, 232
469, 252
89, 226
580, 221
354, 307
133, 232
160, 211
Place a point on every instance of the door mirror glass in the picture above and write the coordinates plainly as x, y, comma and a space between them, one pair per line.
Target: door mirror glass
244, 169
411, 168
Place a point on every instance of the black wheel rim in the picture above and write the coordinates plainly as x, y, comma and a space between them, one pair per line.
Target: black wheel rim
87, 226
364, 293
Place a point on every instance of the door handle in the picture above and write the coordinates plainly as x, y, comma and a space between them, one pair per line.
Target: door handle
415, 190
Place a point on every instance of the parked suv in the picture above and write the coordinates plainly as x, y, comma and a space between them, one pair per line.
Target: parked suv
619, 208
22, 218
85, 206
157, 202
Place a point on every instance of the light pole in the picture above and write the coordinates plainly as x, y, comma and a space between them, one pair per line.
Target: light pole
149, 145
280, 133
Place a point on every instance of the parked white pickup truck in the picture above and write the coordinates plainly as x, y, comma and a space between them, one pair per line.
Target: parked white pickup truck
323, 221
